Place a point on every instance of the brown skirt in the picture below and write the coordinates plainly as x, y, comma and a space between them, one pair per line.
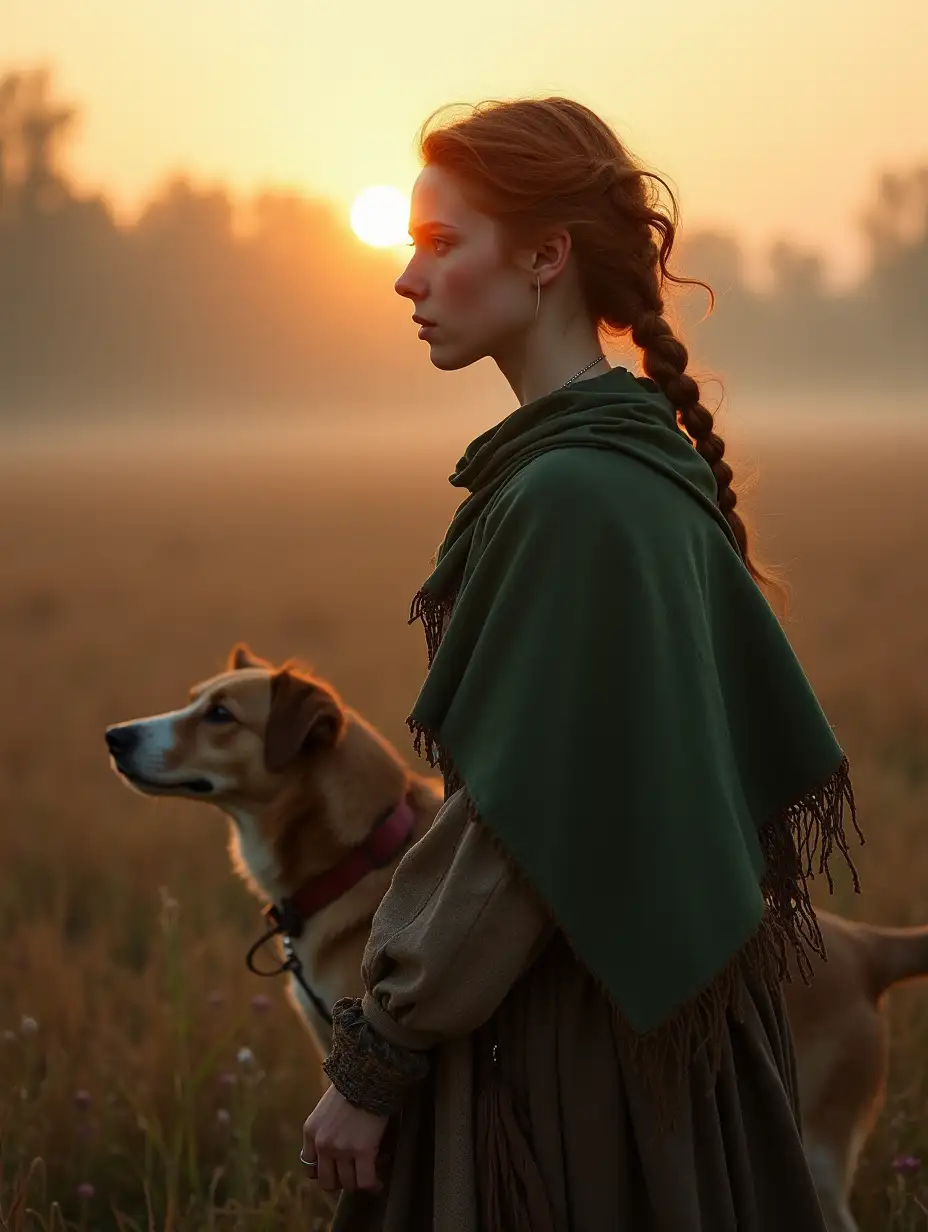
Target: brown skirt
565, 1137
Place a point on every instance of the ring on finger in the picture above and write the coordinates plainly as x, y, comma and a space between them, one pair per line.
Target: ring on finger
311, 1164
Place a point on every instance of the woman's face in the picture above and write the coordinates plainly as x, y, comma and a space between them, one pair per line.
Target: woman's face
471, 296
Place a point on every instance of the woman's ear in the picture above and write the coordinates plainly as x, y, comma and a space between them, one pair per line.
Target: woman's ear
548, 260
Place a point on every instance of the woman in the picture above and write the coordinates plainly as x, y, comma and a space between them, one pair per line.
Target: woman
573, 1019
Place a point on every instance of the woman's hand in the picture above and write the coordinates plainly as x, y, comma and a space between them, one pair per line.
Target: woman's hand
344, 1141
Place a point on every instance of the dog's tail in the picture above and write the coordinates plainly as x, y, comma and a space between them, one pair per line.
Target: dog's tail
894, 955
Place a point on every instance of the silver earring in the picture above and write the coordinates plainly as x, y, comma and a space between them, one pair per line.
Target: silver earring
537, 296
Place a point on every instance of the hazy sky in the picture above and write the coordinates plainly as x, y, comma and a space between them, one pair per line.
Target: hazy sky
771, 117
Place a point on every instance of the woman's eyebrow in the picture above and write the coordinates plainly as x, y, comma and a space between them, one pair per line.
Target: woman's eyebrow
431, 224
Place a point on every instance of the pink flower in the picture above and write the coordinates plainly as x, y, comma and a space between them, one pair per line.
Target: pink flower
906, 1164
261, 1003
85, 1191
82, 1100
227, 1080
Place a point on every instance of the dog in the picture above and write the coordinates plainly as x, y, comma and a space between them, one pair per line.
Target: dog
841, 1040
322, 808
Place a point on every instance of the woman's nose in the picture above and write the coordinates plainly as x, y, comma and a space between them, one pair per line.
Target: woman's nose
408, 285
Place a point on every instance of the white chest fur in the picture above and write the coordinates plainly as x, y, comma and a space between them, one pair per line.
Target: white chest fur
252, 855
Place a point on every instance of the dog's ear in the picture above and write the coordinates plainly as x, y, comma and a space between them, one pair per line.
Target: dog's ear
240, 656
304, 715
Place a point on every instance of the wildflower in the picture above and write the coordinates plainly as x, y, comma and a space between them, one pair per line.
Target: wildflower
906, 1164
261, 1003
82, 1100
169, 904
227, 1080
85, 1191
27, 1025
223, 1116
244, 1056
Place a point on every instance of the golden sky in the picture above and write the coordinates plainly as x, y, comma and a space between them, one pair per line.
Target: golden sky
771, 117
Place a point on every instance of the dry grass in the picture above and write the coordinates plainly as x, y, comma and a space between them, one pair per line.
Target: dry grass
124, 1000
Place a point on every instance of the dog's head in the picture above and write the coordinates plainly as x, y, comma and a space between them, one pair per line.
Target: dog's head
239, 738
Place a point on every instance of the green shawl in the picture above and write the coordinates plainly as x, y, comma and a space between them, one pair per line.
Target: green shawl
622, 705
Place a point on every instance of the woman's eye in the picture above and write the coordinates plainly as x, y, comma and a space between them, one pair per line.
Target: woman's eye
439, 246
218, 714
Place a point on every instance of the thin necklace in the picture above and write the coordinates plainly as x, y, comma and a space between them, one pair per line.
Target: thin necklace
593, 364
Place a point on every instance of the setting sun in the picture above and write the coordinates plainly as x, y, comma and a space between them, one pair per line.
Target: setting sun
380, 216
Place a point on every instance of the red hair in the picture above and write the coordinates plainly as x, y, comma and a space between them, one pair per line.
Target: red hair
535, 165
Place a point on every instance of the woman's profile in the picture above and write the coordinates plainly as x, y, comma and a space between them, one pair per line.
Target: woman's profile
573, 1019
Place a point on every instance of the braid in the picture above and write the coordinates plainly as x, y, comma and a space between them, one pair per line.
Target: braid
637, 306
664, 359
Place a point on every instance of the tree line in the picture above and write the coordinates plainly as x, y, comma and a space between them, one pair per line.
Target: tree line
209, 301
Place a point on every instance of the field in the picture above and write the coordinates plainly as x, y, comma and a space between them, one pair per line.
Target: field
147, 1080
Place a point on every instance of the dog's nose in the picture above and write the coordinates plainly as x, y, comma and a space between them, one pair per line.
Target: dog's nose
122, 739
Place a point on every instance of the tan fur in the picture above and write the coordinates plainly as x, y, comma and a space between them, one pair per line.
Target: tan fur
299, 805
842, 1046
300, 794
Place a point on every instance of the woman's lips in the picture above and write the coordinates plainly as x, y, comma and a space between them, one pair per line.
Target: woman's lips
426, 327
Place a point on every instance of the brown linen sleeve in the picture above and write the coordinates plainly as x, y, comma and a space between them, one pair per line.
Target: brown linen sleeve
456, 929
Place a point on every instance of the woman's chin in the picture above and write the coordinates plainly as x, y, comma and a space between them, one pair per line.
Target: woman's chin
448, 359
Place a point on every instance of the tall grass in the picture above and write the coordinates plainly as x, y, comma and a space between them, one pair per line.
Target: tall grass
161, 1093
148, 1081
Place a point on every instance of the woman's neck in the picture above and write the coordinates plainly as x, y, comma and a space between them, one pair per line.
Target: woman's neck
547, 358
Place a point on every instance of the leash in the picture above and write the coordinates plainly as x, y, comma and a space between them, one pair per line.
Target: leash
390, 835
286, 923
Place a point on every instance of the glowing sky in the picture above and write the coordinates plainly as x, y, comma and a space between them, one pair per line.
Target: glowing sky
771, 117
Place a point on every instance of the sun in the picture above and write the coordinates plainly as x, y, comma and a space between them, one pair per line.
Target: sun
380, 216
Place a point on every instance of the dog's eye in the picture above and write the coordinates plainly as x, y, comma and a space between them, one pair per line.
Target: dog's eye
218, 714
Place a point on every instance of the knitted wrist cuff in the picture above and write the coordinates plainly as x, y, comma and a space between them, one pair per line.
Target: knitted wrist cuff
370, 1072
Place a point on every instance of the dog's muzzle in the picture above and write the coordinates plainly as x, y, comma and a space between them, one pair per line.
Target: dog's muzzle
123, 741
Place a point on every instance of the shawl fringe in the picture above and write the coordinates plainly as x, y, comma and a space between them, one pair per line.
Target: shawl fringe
798, 843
